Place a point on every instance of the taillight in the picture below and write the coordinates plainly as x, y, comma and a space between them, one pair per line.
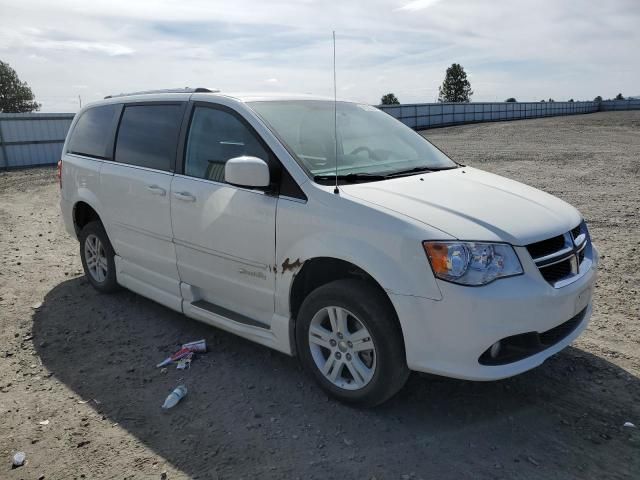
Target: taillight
59, 174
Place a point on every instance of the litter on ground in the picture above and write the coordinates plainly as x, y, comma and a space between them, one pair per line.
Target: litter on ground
187, 350
19, 459
175, 396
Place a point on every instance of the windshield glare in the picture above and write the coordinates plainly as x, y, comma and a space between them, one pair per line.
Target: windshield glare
369, 141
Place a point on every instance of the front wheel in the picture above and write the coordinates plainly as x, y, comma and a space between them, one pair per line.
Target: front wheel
349, 339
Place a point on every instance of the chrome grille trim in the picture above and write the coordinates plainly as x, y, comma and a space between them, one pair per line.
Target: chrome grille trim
576, 251
554, 257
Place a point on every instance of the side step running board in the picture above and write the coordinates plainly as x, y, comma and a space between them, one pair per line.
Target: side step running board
231, 315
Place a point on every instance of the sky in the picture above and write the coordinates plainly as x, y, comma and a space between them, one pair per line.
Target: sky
69, 51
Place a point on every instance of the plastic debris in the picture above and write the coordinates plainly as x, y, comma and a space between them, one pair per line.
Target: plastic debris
629, 425
183, 352
174, 397
185, 362
18, 459
199, 346
44, 422
533, 461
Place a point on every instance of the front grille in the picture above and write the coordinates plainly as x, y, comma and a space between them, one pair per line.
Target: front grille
557, 271
559, 258
546, 247
576, 231
523, 345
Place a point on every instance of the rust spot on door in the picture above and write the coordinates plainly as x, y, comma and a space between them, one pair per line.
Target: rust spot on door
289, 265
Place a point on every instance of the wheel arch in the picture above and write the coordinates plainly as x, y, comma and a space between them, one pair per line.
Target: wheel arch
83, 213
318, 271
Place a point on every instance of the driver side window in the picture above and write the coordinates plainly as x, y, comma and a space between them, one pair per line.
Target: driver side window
216, 136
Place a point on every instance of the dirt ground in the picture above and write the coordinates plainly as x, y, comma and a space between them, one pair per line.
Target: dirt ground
80, 394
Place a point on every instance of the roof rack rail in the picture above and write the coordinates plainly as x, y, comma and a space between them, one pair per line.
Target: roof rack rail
167, 90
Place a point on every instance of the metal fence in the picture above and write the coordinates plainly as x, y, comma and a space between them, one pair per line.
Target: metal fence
29, 139
428, 115
632, 104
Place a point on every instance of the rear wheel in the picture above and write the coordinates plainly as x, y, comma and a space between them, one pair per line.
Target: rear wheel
97, 257
349, 339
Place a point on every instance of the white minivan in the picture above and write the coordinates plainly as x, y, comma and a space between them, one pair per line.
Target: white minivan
326, 230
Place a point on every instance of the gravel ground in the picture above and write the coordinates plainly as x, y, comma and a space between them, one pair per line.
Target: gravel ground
80, 395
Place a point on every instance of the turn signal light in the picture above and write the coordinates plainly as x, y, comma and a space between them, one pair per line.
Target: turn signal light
438, 254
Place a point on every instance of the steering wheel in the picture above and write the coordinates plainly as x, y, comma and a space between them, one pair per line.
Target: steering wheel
363, 149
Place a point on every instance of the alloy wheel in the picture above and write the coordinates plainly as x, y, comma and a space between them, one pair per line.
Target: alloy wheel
342, 348
96, 258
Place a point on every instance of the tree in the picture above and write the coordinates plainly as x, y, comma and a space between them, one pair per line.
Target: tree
389, 99
597, 99
455, 87
551, 100
511, 100
619, 97
15, 96
570, 100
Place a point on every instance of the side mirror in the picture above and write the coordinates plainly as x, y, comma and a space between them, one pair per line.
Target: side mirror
246, 172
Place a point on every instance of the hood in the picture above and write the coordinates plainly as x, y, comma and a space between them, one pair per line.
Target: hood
470, 204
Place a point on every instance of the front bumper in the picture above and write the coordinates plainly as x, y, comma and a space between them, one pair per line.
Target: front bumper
448, 336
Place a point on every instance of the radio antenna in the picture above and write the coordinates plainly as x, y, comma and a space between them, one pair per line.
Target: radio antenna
335, 111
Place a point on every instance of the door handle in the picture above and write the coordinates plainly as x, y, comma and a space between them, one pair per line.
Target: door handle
184, 196
156, 190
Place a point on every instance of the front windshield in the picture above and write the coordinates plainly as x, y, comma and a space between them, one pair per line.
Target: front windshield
370, 142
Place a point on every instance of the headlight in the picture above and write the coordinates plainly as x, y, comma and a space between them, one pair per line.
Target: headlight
472, 263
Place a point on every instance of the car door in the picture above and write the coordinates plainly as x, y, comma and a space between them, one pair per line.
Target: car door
135, 188
224, 235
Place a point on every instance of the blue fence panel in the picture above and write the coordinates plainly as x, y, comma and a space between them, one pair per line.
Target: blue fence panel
632, 104
28, 139
425, 115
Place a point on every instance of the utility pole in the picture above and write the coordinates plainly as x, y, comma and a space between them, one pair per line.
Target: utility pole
80, 100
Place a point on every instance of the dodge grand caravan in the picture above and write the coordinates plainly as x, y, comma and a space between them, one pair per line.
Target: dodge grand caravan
340, 236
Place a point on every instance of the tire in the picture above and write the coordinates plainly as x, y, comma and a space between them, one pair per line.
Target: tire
365, 376
102, 275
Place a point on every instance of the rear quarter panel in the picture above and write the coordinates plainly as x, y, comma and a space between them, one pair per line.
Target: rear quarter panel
80, 183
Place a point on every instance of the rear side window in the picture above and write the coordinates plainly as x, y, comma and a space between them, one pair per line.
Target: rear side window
216, 136
148, 136
92, 134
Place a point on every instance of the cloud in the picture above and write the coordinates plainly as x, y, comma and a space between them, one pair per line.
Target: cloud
110, 49
418, 5
530, 49
49, 39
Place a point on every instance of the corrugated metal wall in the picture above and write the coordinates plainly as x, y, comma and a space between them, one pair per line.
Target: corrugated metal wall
28, 139
428, 115
633, 104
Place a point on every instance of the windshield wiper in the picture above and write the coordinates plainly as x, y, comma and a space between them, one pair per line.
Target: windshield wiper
351, 177
411, 171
